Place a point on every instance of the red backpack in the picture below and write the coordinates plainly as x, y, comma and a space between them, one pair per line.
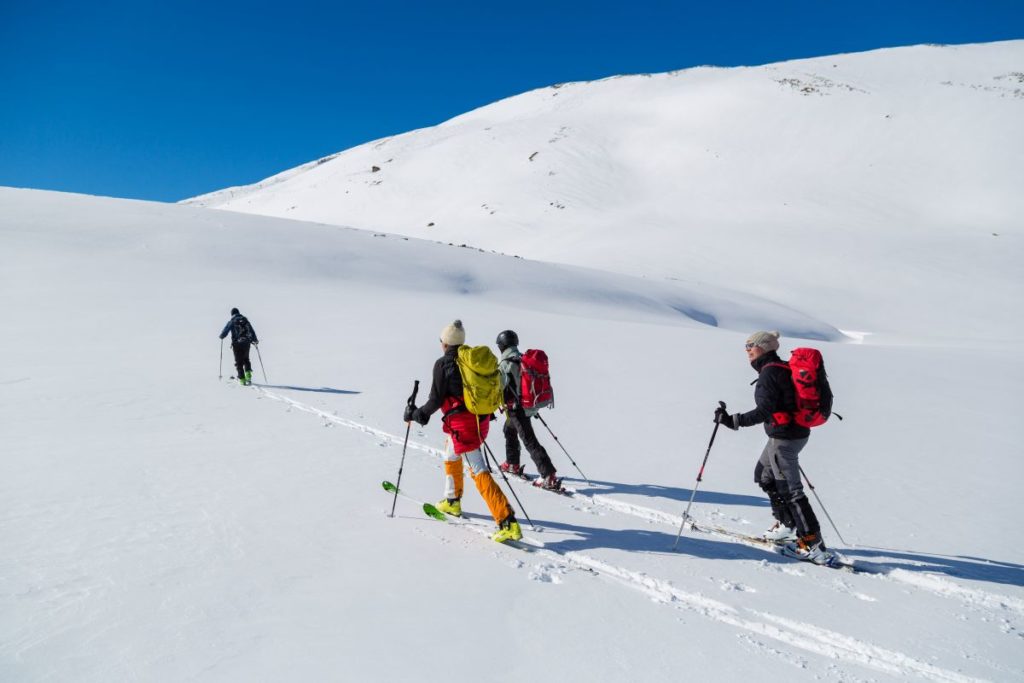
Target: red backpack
535, 383
813, 393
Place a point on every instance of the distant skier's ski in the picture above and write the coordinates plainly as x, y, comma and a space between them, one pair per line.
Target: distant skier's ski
526, 543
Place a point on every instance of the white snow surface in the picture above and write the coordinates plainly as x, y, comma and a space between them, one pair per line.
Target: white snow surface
907, 159
159, 522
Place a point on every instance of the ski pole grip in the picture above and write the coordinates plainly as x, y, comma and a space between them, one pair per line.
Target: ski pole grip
721, 404
415, 390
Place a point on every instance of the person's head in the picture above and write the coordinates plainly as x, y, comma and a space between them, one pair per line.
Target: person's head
506, 339
234, 311
453, 334
761, 343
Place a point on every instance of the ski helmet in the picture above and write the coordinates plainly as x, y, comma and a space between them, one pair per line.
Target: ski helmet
506, 339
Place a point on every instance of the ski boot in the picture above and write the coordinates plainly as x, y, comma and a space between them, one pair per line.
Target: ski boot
779, 533
811, 548
508, 531
549, 483
515, 470
248, 378
451, 506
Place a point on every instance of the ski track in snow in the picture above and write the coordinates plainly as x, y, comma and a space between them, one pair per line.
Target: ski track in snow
808, 637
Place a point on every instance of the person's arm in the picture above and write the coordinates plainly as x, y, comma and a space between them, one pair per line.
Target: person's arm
227, 328
423, 413
766, 400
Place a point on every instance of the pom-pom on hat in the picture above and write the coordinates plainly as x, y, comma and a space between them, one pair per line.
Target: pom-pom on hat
769, 341
453, 334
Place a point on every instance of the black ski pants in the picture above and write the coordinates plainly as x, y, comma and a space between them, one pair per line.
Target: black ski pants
518, 426
242, 364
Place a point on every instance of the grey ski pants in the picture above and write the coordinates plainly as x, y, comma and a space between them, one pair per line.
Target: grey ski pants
777, 472
779, 461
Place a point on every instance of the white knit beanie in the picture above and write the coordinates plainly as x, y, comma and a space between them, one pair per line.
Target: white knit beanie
769, 341
455, 334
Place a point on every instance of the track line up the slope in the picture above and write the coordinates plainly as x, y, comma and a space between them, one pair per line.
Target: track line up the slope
935, 585
804, 636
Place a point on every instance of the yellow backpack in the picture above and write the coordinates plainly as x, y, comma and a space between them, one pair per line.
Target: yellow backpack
481, 384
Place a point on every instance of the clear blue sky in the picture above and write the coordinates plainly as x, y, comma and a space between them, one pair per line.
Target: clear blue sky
166, 99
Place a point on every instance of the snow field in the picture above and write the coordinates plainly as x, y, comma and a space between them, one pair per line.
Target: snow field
161, 525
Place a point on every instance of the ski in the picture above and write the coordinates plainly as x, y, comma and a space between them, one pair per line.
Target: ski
526, 543
771, 546
428, 509
535, 480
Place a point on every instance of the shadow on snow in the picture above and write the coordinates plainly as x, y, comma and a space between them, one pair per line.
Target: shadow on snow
586, 538
321, 390
955, 566
671, 492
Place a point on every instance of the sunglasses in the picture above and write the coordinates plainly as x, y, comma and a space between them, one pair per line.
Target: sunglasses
749, 346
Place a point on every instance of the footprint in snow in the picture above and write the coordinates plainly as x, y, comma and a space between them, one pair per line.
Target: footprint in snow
733, 586
547, 573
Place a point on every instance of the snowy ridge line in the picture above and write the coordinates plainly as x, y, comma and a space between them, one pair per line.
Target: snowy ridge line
796, 634
934, 585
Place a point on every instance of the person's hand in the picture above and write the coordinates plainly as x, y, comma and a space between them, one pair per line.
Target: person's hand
409, 410
725, 419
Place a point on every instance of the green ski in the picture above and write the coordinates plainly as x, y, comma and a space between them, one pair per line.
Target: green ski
429, 509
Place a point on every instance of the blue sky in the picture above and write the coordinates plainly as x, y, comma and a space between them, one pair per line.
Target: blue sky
168, 99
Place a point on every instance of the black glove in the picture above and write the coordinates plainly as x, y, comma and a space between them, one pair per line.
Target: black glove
725, 419
414, 414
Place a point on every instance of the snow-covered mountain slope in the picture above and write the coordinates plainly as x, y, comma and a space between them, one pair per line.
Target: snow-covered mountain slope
160, 525
784, 181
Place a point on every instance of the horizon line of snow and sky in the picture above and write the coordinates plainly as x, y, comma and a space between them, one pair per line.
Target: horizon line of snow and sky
166, 102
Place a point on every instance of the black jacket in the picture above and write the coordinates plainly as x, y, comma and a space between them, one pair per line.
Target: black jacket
447, 383
774, 393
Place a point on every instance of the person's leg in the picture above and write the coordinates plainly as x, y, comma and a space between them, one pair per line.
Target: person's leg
239, 354
787, 464
496, 501
453, 480
765, 479
512, 449
245, 357
538, 454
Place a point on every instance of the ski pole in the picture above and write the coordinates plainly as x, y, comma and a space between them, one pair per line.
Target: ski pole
538, 416
700, 477
818, 498
408, 426
220, 368
487, 449
265, 380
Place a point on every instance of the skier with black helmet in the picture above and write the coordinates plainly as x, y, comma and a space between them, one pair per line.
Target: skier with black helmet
242, 335
517, 422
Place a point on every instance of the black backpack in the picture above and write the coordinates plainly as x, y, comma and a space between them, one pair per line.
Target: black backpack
241, 330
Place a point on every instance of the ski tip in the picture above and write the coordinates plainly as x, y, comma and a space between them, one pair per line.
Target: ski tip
433, 512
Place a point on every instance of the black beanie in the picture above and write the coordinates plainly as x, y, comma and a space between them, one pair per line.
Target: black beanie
234, 311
